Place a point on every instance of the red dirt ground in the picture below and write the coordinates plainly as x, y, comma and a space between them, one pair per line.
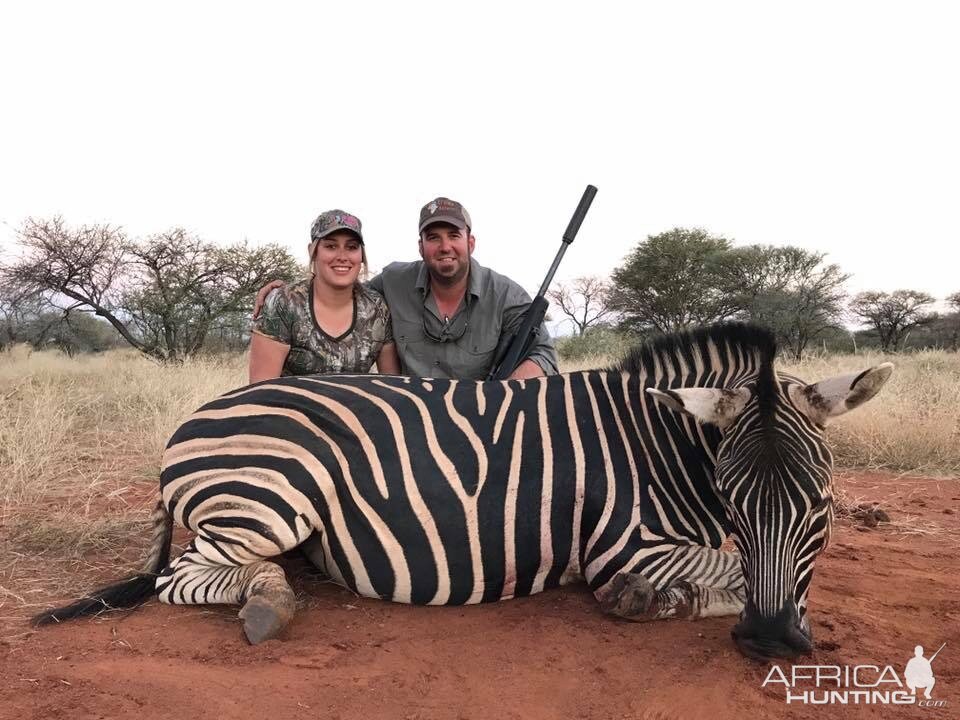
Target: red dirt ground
876, 594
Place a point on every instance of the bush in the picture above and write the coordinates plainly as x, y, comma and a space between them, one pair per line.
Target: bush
605, 345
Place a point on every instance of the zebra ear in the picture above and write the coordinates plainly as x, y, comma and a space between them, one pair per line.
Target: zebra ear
837, 395
716, 406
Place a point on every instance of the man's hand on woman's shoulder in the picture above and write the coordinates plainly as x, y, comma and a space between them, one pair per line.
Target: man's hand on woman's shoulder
262, 296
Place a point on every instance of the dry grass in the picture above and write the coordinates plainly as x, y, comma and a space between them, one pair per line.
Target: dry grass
68, 424
81, 439
80, 445
913, 425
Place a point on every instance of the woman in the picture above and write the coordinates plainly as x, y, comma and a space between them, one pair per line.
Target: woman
328, 323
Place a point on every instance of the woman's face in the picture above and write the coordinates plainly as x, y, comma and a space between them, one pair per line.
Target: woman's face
338, 259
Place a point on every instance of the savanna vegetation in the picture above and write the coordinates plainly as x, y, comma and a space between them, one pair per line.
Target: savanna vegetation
108, 342
81, 439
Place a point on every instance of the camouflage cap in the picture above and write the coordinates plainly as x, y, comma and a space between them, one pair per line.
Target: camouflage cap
444, 210
333, 220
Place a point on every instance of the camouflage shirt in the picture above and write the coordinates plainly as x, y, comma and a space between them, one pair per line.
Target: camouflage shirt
287, 317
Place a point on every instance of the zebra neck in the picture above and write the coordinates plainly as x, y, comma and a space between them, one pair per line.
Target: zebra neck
643, 465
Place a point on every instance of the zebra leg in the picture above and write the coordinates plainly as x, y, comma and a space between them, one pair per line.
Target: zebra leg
202, 575
692, 582
312, 549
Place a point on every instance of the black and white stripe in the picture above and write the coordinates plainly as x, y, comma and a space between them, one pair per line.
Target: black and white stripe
445, 492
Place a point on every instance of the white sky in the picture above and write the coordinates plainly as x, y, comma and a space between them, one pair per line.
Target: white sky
829, 125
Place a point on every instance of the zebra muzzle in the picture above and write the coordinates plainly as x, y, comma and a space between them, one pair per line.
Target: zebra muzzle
780, 636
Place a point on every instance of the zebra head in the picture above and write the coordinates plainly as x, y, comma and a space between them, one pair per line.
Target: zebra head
773, 477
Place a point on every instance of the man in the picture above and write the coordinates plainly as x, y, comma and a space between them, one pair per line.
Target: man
451, 316
919, 673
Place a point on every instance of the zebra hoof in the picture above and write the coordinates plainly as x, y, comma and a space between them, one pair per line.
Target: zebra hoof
262, 619
630, 596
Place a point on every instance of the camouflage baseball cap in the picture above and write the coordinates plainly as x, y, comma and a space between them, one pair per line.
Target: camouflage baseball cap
444, 210
333, 220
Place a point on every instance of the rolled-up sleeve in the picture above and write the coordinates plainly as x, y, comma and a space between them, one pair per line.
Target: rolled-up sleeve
542, 351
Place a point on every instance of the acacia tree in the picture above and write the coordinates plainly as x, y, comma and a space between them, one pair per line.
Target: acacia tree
893, 315
17, 309
954, 302
672, 280
790, 290
161, 294
585, 300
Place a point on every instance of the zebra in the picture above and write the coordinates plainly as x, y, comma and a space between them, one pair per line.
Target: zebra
445, 492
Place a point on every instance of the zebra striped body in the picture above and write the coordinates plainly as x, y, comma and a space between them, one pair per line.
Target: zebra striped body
458, 492
518, 486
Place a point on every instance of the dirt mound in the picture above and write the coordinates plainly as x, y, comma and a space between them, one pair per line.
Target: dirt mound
881, 588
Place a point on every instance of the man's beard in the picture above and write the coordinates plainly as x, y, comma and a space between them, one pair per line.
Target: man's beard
453, 279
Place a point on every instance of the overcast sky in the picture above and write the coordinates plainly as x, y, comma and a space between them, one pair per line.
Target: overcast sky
833, 126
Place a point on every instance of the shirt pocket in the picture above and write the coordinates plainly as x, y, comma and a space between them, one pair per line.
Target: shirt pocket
480, 344
409, 339
406, 331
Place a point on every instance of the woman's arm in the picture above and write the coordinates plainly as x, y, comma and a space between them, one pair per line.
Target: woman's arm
266, 357
388, 362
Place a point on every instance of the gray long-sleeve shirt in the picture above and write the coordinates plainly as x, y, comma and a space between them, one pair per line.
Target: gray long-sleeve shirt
466, 345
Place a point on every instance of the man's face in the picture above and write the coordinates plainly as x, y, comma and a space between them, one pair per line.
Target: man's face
446, 249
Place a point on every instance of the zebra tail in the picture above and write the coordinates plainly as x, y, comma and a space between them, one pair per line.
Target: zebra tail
129, 592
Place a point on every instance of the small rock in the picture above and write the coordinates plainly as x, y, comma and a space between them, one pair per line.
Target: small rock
948, 511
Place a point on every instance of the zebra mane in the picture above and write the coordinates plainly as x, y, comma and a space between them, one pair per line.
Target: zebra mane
744, 339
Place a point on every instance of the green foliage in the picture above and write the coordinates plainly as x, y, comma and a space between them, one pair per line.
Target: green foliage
185, 286
163, 294
688, 277
597, 341
788, 289
72, 333
672, 281
892, 316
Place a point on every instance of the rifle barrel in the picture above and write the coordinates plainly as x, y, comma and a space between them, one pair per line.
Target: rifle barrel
508, 359
572, 229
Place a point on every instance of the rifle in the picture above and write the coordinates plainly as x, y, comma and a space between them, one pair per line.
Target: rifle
522, 340
933, 657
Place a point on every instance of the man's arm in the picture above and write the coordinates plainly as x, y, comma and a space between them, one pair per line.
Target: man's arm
527, 369
542, 355
262, 296
388, 362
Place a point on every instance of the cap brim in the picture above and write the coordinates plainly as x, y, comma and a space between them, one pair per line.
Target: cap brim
337, 228
434, 219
